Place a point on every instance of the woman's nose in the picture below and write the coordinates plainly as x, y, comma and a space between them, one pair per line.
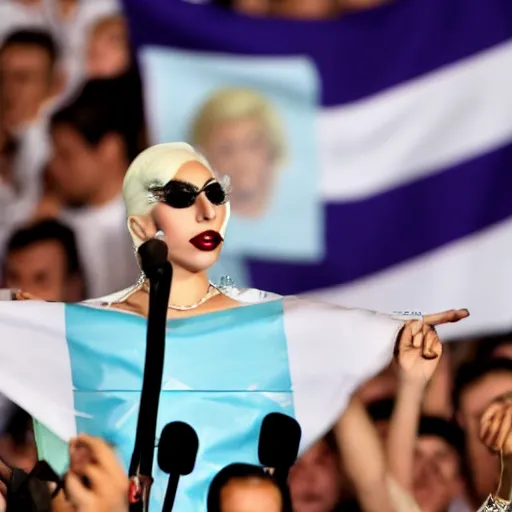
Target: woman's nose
205, 209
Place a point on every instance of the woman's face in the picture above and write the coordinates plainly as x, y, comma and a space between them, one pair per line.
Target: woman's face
192, 234
242, 149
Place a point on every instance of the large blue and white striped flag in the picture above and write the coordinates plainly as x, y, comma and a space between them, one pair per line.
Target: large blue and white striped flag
397, 187
79, 368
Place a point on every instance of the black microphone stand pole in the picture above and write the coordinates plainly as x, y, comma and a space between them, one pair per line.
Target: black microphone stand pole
159, 271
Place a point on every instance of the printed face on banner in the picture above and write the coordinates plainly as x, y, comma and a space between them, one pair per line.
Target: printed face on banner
254, 119
244, 147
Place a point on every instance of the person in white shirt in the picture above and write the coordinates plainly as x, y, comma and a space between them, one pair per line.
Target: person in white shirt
29, 82
94, 140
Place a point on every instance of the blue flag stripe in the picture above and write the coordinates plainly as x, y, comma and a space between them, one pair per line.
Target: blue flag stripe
356, 56
364, 237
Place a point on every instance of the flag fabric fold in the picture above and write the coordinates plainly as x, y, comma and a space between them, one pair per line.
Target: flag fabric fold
412, 137
78, 368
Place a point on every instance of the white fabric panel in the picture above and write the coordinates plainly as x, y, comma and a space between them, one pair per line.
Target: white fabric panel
329, 359
403, 134
473, 273
37, 376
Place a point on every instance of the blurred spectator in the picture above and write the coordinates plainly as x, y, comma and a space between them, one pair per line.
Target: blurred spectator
17, 444
438, 466
476, 385
28, 77
108, 50
244, 487
316, 478
72, 21
95, 138
42, 259
29, 82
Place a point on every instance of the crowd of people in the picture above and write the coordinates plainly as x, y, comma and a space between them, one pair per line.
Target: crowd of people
423, 435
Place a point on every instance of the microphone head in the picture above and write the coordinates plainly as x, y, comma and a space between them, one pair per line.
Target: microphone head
177, 449
153, 256
279, 441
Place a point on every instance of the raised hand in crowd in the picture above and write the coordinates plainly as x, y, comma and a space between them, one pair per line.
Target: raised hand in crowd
418, 347
96, 481
417, 355
496, 434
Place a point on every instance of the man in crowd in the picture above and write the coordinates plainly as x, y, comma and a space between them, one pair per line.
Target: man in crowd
29, 81
94, 140
438, 466
316, 480
29, 77
42, 260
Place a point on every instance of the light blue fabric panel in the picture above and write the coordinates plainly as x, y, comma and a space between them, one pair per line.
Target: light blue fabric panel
223, 373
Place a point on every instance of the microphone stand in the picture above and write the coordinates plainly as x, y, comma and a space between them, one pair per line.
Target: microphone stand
141, 465
170, 494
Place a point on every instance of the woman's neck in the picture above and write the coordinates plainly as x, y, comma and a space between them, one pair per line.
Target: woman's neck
188, 288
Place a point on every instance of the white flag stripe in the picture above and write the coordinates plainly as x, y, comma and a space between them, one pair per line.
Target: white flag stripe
35, 371
417, 128
444, 279
330, 356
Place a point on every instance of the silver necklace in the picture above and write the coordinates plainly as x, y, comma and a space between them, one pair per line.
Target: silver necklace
211, 292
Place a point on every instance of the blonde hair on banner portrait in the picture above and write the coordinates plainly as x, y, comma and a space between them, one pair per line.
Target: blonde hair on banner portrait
234, 103
243, 136
158, 165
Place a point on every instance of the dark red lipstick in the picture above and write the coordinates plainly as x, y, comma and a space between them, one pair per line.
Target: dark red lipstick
207, 241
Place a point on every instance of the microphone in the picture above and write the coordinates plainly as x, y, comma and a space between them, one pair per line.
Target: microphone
278, 445
177, 452
153, 259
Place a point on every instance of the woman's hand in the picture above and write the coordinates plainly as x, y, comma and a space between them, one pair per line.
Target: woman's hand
96, 481
496, 426
419, 348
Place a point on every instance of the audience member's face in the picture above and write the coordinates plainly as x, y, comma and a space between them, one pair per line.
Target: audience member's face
484, 466
242, 150
76, 168
250, 495
39, 269
26, 80
437, 479
315, 480
108, 52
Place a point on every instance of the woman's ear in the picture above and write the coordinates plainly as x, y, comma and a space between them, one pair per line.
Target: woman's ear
141, 228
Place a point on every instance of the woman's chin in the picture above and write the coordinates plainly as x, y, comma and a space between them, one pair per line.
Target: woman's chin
200, 262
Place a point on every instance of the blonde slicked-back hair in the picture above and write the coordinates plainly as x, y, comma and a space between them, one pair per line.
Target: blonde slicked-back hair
158, 165
233, 104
